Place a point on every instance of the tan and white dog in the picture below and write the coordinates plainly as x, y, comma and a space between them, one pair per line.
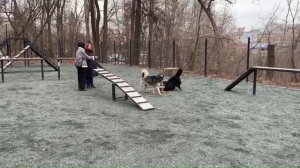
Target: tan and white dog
154, 81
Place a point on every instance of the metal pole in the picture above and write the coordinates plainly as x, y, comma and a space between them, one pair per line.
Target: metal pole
248, 57
115, 52
8, 46
149, 54
24, 54
6, 32
2, 71
254, 81
205, 58
174, 53
130, 61
102, 58
42, 69
58, 72
113, 91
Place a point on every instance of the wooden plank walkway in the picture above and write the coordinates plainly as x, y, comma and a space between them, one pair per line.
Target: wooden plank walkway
129, 91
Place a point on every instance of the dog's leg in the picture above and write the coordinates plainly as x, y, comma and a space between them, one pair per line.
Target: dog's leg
141, 85
161, 87
145, 87
158, 89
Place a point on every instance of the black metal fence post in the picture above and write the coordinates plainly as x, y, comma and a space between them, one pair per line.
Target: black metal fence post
149, 54
113, 91
58, 72
254, 81
205, 58
115, 52
8, 47
174, 43
102, 57
248, 56
6, 32
24, 55
42, 68
2, 71
130, 52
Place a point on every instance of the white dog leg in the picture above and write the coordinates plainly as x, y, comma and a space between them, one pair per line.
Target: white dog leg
158, 90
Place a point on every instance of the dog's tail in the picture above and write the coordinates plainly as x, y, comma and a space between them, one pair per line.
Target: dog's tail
179, 72
145, 73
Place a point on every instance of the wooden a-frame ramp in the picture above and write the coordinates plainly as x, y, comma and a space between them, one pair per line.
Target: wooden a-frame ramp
17, 56
129, 91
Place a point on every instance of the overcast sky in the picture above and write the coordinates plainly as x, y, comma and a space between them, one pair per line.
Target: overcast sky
255, 13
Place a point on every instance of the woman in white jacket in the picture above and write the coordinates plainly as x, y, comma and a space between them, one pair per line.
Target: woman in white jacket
81, 65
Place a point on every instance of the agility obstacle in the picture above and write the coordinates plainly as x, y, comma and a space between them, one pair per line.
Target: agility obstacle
27, 45
16, 56
254, 70
129, 91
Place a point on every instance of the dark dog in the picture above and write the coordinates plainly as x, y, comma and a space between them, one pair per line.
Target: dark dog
154, 81
173, 82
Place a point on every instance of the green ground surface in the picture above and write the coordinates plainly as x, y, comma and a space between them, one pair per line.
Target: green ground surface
50, 123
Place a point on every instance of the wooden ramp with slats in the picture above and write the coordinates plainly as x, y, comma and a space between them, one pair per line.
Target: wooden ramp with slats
17, 56
129, 91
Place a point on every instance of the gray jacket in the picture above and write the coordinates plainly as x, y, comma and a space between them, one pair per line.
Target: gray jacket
81, 57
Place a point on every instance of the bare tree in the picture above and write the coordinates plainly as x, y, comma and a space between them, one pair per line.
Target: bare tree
60, 26
105, 31
137, 33
294, 15
95, 22
74, 22
207, 7
87, 18
192, 58
50, 6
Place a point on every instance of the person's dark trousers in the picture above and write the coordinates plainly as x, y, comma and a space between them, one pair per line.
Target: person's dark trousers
81, 78
89, 81
89, 78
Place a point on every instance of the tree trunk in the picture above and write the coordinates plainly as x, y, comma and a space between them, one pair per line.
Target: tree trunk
137, 33
132, 26
87, 19
48, 6
218, 42
95, 21
59, 27
97, 29
150, 18
270, 61
105, 31
192, 59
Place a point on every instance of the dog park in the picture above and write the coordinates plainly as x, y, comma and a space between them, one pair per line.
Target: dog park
174, 84
50, 123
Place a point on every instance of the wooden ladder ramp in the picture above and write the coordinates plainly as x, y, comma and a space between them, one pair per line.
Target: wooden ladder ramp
129, 91
17, 56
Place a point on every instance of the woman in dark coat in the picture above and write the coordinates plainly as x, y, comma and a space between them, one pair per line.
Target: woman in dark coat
81, 65
92, 64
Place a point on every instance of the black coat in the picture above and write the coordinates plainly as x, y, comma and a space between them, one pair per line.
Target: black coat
92, 64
